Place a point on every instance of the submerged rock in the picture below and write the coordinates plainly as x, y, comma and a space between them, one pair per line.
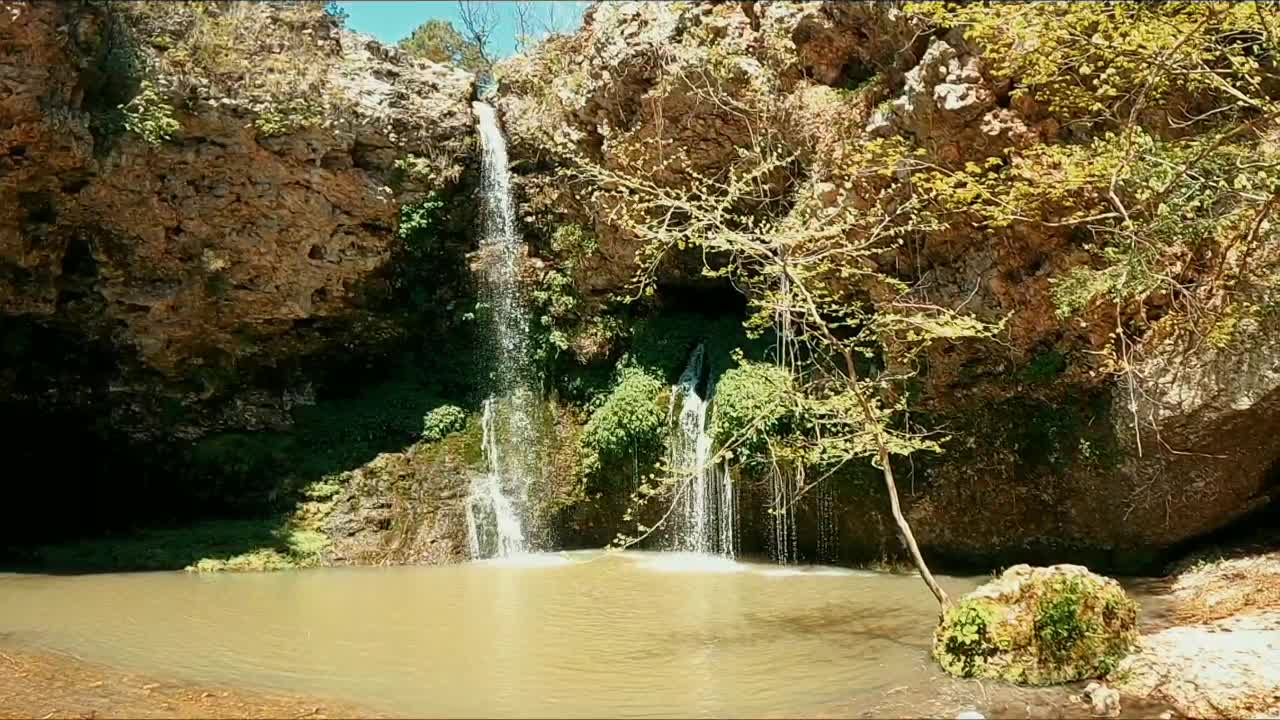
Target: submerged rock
1038, 626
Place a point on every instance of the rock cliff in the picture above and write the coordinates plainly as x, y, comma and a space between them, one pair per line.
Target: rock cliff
214, 217
1110, 425
199, 211
248, 221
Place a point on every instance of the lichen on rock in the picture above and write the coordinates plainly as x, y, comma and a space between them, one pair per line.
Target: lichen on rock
1038, 626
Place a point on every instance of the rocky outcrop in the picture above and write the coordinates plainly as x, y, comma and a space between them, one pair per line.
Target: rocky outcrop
200, 206
1038, 626
1223, 669
1058, 449
402, 508
1221, 658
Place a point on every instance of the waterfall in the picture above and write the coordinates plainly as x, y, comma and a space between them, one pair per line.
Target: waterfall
498, 505
703, 520
828, 530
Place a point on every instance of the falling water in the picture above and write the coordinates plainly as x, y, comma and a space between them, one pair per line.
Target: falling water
497, 509
828, 530
704, 516
493, 527
783, 487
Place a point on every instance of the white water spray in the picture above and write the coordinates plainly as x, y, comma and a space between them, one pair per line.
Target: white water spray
704, 519
497, 508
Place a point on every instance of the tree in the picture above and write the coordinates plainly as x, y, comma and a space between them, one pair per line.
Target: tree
535, 21
337, 12
479, 21
439, 41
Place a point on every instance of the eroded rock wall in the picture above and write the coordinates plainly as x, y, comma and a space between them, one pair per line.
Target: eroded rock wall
1054, 454
228, 242
199, 206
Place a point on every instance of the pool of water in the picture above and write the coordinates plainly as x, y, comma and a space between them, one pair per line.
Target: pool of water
579, 634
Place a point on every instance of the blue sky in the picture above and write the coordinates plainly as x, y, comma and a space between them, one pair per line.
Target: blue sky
391, 20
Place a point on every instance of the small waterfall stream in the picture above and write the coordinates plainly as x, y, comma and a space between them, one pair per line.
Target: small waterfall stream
704, 519
497, 508
828, 528
783, 486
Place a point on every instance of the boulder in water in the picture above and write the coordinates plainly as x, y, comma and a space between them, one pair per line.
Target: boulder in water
1038, 626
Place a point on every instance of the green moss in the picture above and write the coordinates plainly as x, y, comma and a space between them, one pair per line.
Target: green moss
965, 637
1038, 626
297, 541
160, 549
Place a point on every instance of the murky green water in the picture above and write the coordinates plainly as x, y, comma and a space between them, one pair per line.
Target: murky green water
575, 634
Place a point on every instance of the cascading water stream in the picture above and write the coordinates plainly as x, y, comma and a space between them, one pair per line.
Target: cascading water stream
497, 508
828, 529
704, 519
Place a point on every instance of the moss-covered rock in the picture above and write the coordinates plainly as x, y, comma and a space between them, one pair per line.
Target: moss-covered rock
1038, 626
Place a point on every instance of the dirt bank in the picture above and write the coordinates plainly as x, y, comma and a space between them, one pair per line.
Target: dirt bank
36, 684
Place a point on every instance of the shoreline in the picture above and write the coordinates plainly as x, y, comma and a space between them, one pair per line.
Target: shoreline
40, 683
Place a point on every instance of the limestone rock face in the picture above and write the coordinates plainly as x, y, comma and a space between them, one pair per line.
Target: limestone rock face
259, 230
1048, 458
402, 508
1038, 626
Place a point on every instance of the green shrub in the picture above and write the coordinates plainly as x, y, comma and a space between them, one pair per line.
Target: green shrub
443, 421
1059, 620
629, 425
572, 242
416, 169
555, 301
149, 115
752, 405
287, 117
422, 255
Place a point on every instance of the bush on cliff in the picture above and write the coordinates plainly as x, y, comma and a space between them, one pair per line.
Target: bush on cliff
751, 407
627, 428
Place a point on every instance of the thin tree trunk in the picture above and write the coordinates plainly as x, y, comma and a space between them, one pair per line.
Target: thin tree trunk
887, 470
898, 517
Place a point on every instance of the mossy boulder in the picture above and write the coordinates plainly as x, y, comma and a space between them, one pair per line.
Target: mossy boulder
1038, 626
